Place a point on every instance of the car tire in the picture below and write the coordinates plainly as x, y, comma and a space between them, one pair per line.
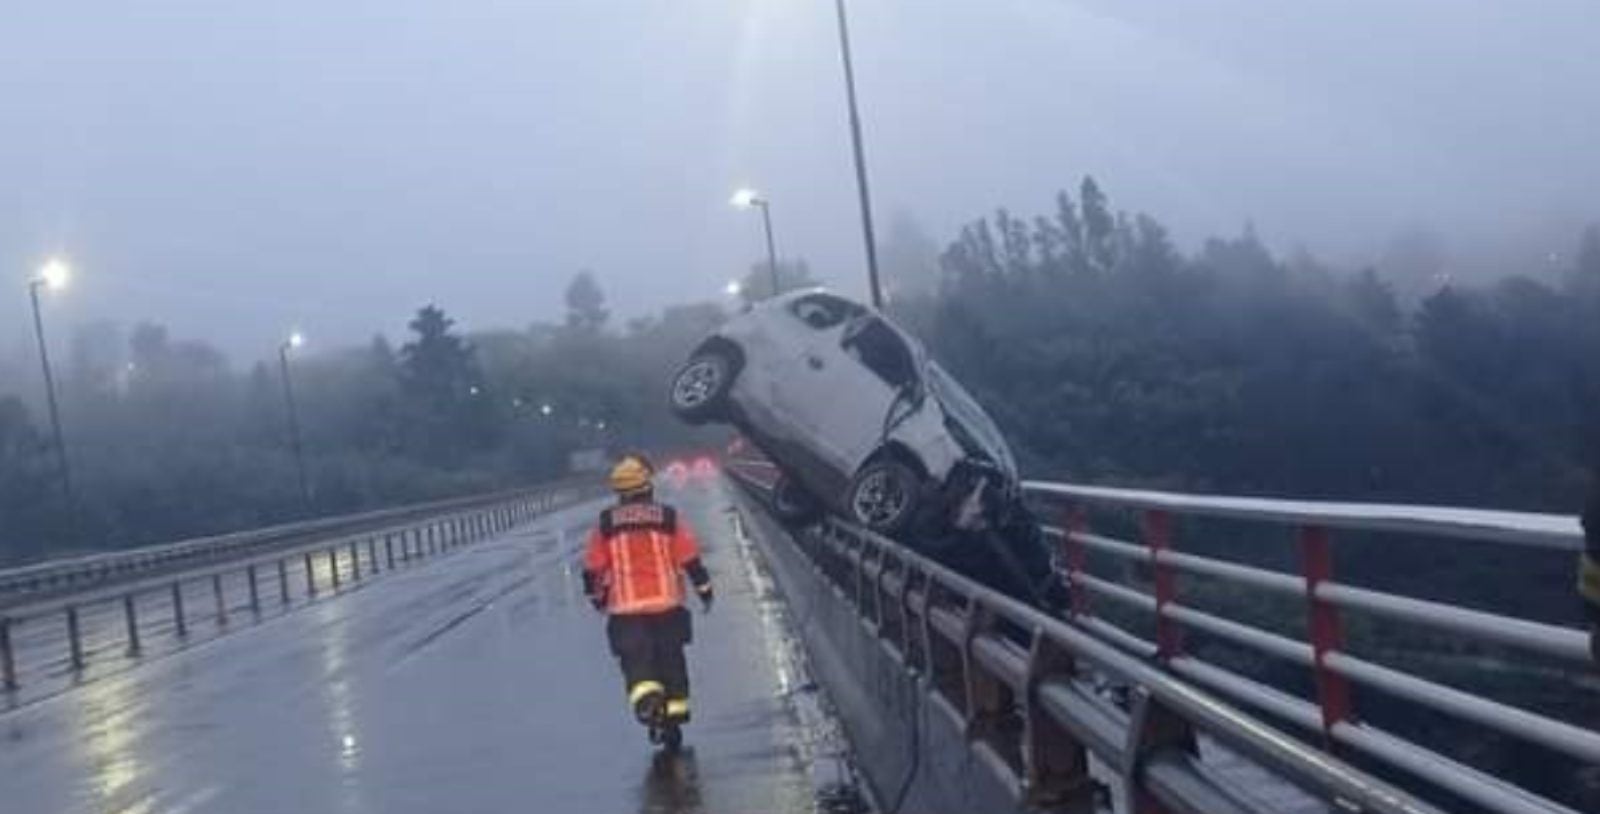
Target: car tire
885, 496
792, 505
699, 392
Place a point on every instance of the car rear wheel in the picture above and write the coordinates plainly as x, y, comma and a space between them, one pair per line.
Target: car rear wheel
884, 496
792, 504
700, 389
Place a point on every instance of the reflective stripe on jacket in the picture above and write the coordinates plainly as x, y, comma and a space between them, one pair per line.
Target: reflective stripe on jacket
636, 556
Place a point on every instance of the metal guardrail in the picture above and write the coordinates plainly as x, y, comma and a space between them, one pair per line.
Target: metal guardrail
1023, 686
63, 634
29, 583
1323, 650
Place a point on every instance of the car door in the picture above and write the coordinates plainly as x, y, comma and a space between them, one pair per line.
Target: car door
823, 399
861, 368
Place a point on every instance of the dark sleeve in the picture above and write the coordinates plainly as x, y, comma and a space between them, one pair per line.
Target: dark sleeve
698, 575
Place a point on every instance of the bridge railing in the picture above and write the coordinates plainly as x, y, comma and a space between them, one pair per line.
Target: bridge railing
64, 635
29, 583
1030, 691
1330, 714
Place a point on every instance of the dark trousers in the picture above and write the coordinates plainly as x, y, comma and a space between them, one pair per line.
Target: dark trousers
650, 648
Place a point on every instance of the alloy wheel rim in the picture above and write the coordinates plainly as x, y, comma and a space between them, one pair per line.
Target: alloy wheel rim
696, 384
879, 499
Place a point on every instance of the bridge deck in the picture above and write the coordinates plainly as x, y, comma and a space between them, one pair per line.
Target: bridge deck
477, 683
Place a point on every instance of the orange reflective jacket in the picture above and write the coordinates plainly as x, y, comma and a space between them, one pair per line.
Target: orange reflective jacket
636, 558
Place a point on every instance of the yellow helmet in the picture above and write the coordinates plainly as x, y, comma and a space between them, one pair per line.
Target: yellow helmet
631, 475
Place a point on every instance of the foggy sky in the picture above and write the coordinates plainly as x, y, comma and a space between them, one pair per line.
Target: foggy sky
235, 169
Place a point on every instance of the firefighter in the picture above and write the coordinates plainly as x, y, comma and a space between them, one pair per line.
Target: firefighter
633, 570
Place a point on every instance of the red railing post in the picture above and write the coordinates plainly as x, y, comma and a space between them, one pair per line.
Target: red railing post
1325, 631
1158, 538
1076, 557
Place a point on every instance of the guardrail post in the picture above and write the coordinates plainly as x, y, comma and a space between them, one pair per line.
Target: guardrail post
1056, 764
1075, 555
130, 615
283, 581
333, 565
222, 604
405, 545
1158, 539
372, 554
179, 624
311, 576
355, 561
74, 638
388, 549
8, 660
1324, 628
988, 697
255, 591
1152, 729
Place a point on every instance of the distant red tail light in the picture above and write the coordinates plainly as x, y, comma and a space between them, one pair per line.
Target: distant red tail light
705, 468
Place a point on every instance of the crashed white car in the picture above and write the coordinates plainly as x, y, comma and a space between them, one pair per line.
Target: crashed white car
853, 412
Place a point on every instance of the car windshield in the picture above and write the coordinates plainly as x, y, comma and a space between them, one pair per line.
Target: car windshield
960, 406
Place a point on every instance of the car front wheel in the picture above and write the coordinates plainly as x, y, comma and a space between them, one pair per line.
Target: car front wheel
700, 389
884, 496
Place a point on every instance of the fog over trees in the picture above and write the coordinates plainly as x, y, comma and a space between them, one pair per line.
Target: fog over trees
1107, 355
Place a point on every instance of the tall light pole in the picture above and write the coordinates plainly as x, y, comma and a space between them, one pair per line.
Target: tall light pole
747, 198
52, 275
862, 190
295, 340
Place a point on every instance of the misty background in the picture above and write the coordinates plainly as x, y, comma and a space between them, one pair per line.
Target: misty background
1319, 249
234, 171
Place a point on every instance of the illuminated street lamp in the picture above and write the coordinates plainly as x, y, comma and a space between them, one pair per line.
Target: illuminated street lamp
295, 340
733, 288
747, 198
53, 275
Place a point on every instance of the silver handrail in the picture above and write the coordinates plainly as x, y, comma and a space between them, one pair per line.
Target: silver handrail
926, 607
62, 637
28, 582
1325, 600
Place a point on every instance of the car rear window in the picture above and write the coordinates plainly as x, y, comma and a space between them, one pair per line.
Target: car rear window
823, 311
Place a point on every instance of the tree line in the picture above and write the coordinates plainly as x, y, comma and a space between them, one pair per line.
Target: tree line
1110, 356
1105, 352
167, 441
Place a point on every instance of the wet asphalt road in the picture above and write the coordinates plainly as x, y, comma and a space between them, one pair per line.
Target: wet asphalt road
479, 682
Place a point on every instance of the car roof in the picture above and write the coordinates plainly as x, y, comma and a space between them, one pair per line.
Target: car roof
790, 296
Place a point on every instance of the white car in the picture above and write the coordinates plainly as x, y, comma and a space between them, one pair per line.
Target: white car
853, 412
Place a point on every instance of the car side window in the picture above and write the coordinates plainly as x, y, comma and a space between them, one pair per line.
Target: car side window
821, 312
882, 351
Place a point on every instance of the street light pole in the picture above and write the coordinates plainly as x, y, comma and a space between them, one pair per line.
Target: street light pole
772, 250
873, 281
54, 276
294, 341
746, 198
